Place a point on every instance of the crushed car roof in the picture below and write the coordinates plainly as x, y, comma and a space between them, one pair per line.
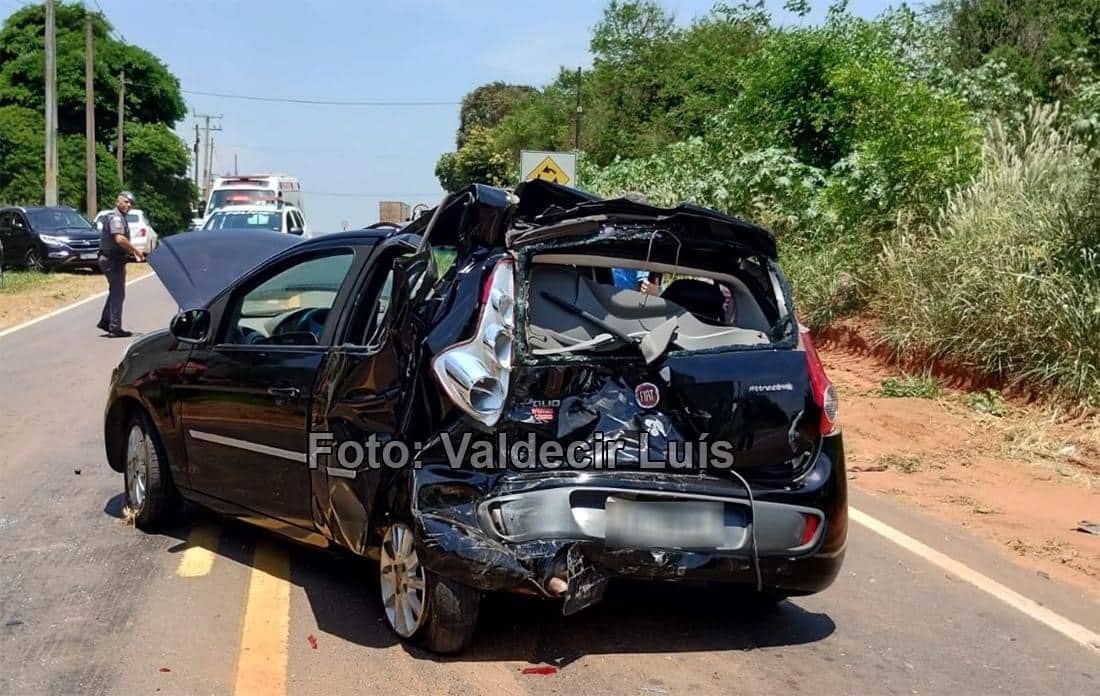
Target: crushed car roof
540, 210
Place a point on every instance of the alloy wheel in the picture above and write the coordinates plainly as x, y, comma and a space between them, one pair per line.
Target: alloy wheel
34, 261
137, 467
403, 581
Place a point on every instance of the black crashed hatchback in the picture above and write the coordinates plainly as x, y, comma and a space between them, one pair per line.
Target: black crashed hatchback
481, 403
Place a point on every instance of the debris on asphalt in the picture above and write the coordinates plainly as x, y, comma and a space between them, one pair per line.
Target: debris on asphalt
312, 641
76, 471
1088, 527
541, 670
165, 669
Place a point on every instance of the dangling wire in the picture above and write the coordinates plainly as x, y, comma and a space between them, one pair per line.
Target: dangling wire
649, 255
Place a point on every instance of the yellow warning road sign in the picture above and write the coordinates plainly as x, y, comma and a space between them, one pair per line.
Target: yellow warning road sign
558, 167
548, 170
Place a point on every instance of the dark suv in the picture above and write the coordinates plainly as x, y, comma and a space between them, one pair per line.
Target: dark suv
46, 238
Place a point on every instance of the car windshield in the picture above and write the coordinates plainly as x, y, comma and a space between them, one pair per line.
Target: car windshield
242, 196
57, 219
246, 220
133, 217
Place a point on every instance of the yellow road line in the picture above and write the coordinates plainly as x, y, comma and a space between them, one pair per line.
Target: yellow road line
261, 663
202, 544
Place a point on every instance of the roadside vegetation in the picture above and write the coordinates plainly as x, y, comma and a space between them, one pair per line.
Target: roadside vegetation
936, 171
156, 160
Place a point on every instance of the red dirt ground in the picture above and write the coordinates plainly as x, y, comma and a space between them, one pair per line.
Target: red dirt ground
1024, 480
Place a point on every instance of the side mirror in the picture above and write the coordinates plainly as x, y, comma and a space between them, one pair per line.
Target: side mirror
295, 230
191, 327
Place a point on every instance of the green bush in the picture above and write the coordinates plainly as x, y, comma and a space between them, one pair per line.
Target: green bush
913, 386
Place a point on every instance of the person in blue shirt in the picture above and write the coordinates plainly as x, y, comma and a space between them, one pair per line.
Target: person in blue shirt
630, 279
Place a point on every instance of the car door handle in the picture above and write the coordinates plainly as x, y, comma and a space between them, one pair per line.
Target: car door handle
285, 392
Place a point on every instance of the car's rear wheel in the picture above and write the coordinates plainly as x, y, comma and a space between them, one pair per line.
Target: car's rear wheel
150, 496
34, 262
420, 605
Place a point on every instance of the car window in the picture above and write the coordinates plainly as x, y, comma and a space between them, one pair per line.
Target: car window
5, 222
241, 220
56, 219
226, 197
133, 217
292, 306
378, 314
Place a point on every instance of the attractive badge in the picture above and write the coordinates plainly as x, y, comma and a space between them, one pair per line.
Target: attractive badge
647, 395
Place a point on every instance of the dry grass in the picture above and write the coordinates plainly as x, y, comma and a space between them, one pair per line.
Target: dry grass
26, 295
1006, 281
1067, 451
905, 463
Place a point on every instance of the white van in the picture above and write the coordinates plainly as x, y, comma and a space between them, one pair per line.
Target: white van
257, 189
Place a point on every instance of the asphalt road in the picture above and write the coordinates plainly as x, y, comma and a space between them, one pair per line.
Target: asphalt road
90, 605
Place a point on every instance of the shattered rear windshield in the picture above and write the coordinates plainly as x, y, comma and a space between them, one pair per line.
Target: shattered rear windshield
620, 297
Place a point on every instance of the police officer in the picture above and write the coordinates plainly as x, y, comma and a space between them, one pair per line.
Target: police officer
114, 251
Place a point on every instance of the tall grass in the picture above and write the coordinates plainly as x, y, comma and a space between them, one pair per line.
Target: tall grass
1007, 279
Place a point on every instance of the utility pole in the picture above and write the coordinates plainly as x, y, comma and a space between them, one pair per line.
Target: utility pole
235, 164
580, 110
196, 158
208, 149
51, 106
91, 196
121, 119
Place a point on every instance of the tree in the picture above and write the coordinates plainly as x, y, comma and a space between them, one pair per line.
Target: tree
157, 174
153, 98
1052, 45
479, 160
487, 105
631, 50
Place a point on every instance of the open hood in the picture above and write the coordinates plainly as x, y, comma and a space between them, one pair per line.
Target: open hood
195, 267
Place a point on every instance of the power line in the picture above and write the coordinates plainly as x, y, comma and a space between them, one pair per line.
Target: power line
338, 194
318, 102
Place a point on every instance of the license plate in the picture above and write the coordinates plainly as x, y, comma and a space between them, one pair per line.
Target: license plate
89, 255
674, 524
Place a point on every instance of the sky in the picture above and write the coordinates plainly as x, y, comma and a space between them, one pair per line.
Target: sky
348, 158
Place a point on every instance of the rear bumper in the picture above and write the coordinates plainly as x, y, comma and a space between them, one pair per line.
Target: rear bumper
513, 532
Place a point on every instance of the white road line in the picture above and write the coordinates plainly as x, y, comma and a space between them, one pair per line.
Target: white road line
1017, 601
62, 310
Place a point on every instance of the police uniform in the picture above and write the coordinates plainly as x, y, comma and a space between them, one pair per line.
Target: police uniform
112, 261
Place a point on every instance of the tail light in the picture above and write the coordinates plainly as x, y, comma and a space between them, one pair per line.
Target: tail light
475, 373
810, 530
824, 392
142, 232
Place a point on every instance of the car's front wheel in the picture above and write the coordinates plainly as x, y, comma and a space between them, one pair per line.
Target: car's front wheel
150, 495
420, 605
34, 262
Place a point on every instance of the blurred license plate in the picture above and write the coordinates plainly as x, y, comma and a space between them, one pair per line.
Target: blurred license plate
674, 524
88, 255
